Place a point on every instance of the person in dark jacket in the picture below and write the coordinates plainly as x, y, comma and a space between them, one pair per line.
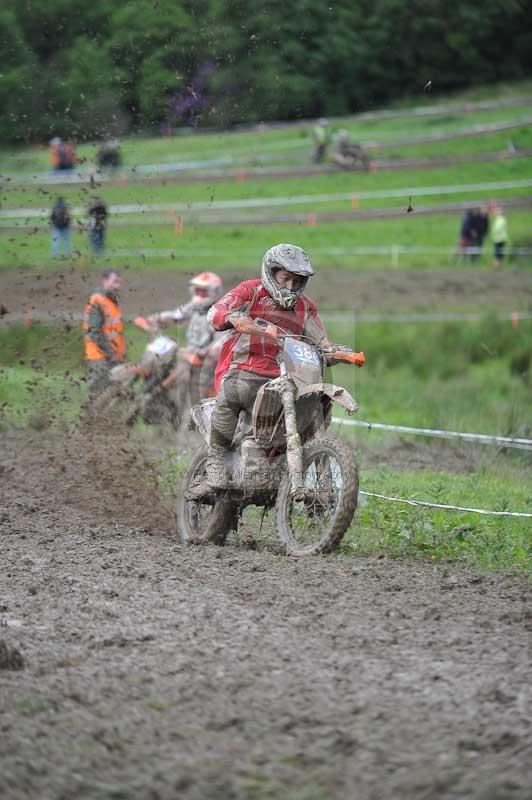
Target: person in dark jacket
479, 229
97, 226
60, 219
466, 241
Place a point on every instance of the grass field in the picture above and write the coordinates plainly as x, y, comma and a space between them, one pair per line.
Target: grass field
332, 244
301, 201
275, 139
192, 194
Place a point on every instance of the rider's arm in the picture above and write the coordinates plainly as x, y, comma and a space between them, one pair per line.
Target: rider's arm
314, 328
95, 331
232, 306
315, 331
178, 316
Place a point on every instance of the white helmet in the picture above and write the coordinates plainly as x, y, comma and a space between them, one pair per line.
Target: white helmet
292, 259
209, 285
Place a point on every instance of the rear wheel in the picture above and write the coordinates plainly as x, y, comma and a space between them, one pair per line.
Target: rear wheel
316, 523
208, 518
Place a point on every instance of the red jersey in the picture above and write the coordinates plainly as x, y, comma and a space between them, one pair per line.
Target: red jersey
257, 353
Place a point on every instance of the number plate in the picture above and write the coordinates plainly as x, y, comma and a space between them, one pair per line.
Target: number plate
303, 353
161, 346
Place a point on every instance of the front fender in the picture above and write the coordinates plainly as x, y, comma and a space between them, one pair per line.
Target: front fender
336, 393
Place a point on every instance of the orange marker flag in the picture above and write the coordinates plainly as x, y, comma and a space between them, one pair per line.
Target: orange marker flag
312, 220
240, 175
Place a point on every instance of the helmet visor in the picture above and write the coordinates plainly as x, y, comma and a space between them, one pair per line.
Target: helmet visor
288, 280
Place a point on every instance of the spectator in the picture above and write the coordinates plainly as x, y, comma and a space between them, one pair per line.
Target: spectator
97, 225
499, 234
322, 137
466, 237
62, 154
479, 229
60, 219
109, 154
55, 144
103, 331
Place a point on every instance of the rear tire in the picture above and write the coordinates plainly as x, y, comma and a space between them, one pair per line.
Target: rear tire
208, 519
318, 524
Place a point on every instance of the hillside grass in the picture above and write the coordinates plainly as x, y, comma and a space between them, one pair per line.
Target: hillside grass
275, 138
202, 245
208, 194
229, 247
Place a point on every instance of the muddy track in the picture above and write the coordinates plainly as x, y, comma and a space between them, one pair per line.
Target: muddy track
61, 293
156, 671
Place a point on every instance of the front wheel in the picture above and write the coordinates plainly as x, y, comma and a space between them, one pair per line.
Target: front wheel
317, 522
205, 519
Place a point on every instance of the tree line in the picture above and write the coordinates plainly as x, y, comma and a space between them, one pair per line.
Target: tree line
97, 68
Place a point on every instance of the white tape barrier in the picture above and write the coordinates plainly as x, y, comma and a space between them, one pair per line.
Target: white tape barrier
293, 200
513, 316
447, 507
502, 441
392, 249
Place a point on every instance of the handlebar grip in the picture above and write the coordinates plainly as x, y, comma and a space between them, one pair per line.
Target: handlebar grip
352, 358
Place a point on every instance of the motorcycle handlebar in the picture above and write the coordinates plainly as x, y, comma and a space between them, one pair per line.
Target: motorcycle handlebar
260, 327
351, 358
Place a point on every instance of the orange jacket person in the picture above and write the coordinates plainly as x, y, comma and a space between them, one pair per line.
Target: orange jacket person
103, 331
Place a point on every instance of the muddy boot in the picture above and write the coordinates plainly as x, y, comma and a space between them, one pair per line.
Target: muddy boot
216, 475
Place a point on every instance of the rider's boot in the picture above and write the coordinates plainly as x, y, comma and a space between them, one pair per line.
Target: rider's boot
216, 474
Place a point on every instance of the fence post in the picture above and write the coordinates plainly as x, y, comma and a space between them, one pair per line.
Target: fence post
395, 256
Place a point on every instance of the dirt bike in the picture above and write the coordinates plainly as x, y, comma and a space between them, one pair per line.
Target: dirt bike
352, 157
162, 385
281, 456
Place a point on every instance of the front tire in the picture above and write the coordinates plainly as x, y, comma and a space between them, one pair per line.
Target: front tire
318, 523
207, 519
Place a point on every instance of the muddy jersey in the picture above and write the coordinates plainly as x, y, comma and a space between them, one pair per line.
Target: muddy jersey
256, 353
200, 334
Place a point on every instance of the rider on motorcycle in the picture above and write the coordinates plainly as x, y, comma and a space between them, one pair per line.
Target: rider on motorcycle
203, 343
248, 360
205, 289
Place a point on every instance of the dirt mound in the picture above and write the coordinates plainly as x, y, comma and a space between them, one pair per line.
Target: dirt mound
10, 657
99, 471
